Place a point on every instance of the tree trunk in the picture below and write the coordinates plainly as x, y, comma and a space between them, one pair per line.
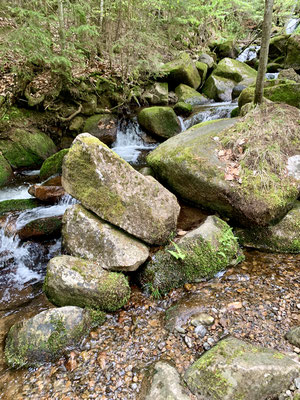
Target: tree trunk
61, 25
101, 13
264, 52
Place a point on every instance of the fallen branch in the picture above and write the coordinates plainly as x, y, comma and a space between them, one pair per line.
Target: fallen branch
72, 115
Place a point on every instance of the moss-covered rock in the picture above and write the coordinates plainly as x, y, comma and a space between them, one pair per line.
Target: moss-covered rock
293, 336
18, 205
283, 237
77, 282
53, 164
237, 370
157, 94
190, 96
225, 49
107, 185
76, 124
182, 108
288, 93
27, 149
289, 74
160, 121
261, 193
292, 59
199, 254
40, 227
226, 76
103, 127
278, 47
49, 334
182, 70
6, 173
85, 235
206, 59
202, 68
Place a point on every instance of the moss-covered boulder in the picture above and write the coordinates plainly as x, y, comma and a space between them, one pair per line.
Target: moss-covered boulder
76, 282
6, 173
278, 47
293, 336
288, 93
206, 59
223, 49
237, 370
292, 59
27, 149
40, 227
243, 173
102, 126
53, 164
182, 70
283, 237
48, 335
226, 76
200, 254
182, 108
157, 94
85, 235
190, 96
159, 121
289, 74
18, 205
202, 68
107, 185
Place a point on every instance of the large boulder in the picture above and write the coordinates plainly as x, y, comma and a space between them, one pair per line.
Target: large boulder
202, 68
278, 91
165, 384
189, 95
226, 76
18, 205
72, 281
6, 173
283, 237
224, 49
160, 121
235, 171
102, 126
47, 193
198, 255
85, 235
26, 149
292, 59
46, 336
39, 227
289, 74
112, 189
182, 70
237, 370
53, 164
278, 47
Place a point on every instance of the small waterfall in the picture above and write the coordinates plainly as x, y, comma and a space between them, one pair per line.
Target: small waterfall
130, 143
292, 25
272, 75
14, 193
182, 124
249, 54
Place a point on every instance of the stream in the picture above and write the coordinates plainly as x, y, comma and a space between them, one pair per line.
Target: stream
112, 362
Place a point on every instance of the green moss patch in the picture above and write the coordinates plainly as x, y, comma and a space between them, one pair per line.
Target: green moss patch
53, 164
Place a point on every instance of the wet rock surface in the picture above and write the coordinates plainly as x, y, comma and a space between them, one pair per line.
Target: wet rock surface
251, 300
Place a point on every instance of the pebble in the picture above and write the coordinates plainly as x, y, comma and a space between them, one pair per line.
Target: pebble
202, 319
188, 342
200, 330
297, 382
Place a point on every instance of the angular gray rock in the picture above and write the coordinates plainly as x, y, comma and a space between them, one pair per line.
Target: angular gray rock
77, 282
112, 189
293, 336
48, 334
86, 235
237, 370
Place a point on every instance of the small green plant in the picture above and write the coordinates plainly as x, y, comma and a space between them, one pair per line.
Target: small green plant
154, 292
178, 253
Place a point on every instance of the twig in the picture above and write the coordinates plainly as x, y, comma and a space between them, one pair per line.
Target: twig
72, 115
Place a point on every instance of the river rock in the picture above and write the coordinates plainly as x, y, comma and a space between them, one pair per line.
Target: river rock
112, 189
102, 126
77, 282
160, 121
189, 95
53, 164
182, 108
182, 70
226, 76
165, 384
49, 194
40, 227
46, 336
27, 149
157, 94
283, 237
7, 206
293, 336
198, 255
202, 68
277, 91
191, 165
237, 370
85, 235
206, 59
6, 173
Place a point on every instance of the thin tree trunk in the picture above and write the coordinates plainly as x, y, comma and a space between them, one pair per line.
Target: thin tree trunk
264, 52
61, 25
101, 13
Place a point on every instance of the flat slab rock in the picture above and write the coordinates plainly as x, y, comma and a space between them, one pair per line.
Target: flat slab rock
86, 235
237, 370
77, 282
112, 189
